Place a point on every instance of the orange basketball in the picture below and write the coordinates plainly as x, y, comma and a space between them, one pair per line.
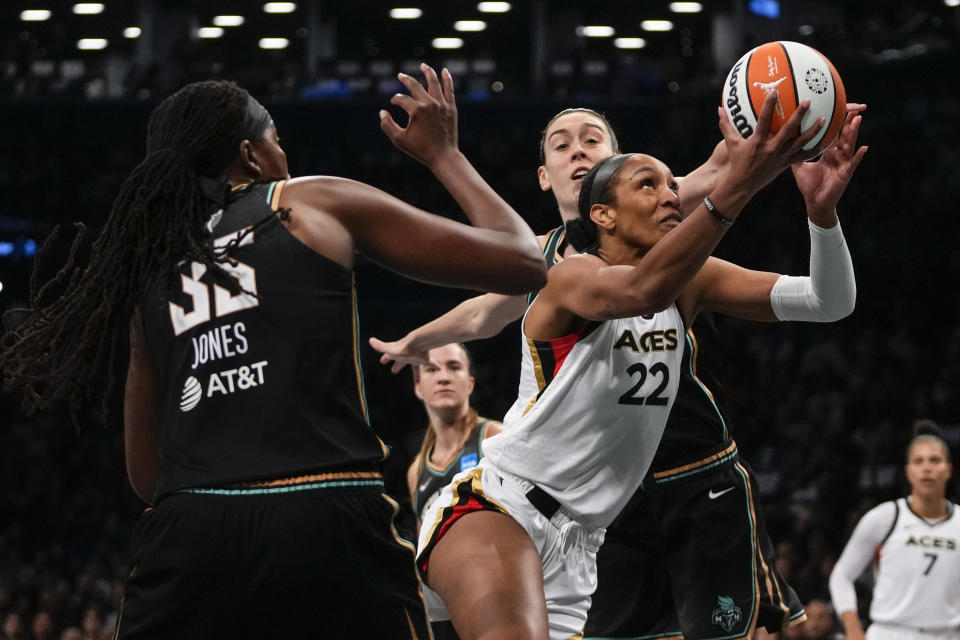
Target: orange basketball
795, 72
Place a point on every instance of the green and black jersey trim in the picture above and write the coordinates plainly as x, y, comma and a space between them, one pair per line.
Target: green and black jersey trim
692, 349
552, 253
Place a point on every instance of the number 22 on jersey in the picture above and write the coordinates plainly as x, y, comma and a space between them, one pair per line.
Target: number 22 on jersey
224, 302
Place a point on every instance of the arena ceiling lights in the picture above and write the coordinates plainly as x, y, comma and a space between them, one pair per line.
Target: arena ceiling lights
363, 31
228, 21
373, 33
92, 44
493, 7
596, 31
273, 43
656, 25
35, 15
405, 13
469, 25
280, 7
446, 43
686, 7
88, 8
210, 32
629, 43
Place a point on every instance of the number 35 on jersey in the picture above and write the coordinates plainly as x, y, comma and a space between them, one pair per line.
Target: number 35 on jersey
204, 297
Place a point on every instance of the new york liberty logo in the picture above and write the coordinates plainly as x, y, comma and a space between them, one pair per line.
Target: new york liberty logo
728, 614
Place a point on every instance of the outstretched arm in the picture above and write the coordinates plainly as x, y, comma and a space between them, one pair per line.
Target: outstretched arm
474, 319
590, 291
336, 217
829, 292
702, 180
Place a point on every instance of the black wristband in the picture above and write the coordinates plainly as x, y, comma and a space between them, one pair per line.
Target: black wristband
708, 203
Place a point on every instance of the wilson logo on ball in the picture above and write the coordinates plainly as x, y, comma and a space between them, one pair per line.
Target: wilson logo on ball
795, 72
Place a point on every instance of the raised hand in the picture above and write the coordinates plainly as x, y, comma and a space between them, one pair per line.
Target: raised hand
399, 354
432, 112
824, 181
755, 161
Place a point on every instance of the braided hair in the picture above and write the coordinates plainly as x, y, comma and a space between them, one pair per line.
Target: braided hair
70, 344
598, 186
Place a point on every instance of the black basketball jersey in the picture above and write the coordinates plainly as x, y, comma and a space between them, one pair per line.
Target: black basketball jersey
698, 426
555, 241
260, 381
431, 482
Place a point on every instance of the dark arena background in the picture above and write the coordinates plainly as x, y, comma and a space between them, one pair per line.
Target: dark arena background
822, 412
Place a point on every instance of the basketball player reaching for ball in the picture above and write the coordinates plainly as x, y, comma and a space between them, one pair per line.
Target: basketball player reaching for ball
571, 143
651, 580
660, 577
269, 516
915, 545
509, 549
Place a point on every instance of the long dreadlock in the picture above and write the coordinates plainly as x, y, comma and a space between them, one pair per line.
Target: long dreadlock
68, 346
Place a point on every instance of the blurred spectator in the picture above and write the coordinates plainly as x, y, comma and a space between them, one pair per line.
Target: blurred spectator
41, 627
91, 623
821, 623
12, 627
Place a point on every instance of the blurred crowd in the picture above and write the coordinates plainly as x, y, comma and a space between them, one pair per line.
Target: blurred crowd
823, 413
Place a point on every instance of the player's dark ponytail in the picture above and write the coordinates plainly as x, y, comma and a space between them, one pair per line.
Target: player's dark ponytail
596, 187
926, 430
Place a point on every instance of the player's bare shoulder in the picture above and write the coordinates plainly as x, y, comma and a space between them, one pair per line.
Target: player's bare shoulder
315, 215
568, 270
322, 192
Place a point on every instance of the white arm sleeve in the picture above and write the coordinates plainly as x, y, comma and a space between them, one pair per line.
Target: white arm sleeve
829, 292
860, 550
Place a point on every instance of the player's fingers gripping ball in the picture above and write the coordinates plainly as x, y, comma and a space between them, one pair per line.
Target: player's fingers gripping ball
795, 72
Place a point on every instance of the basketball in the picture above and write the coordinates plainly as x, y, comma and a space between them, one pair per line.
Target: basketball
796, 72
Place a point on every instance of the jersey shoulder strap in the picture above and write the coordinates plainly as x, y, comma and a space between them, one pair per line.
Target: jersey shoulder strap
550, 245
893, 525
480, 433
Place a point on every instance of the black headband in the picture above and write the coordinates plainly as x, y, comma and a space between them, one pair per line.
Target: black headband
211, 162
602, 177
255, 120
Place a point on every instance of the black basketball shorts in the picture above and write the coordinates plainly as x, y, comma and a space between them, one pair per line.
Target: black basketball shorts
691, 557
294, 563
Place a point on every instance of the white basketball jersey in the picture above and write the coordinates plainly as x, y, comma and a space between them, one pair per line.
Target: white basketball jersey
918, 572
590, 412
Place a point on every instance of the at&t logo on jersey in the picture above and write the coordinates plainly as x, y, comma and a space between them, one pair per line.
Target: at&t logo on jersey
225, 383
192, 392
